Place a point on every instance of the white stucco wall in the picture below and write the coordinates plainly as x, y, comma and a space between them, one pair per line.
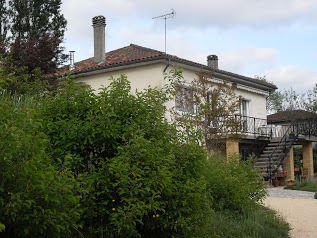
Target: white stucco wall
152, 75
257, 103
140, 77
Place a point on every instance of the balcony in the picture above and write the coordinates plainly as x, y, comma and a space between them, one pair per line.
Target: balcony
242, 126
252, 126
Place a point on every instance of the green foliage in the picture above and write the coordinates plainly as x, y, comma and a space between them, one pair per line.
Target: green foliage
31, 33
274, 102
4, 15
233, 185
36, 18
37, 198
78, 164
256, 222
289, 99
207, 111
139, 179
19, 82
307, 185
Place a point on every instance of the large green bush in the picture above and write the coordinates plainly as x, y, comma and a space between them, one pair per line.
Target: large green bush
79, 164
139, 178
37, 198
234, 185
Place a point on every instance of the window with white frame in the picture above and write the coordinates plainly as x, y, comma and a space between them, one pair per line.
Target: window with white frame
245, 113
244, 108
184, 99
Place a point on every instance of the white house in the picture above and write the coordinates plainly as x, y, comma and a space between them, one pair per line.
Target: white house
147, 67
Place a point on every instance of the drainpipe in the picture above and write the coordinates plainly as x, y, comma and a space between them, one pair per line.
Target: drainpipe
168, 64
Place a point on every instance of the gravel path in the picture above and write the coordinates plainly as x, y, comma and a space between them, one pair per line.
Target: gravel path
298, 208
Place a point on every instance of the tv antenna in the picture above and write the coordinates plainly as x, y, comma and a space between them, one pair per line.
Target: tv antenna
166, 16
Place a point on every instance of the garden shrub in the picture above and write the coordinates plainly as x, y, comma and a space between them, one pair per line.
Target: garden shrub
37, 198
79, 164
139, 178
233, 185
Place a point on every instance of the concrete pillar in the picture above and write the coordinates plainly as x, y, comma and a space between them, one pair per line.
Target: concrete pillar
232, 147
288, 164
308, 162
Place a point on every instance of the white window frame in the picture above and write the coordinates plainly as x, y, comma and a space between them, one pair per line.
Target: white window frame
183, 112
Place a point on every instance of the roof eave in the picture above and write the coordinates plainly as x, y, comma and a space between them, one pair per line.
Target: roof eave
165, 58
116, 67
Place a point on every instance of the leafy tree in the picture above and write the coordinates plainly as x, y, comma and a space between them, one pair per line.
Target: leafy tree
37, 30
37, 196
208, 111
289, 99
3, 27
139, 178
19, 82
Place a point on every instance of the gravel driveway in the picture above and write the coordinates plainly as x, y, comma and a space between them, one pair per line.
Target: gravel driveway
298, 208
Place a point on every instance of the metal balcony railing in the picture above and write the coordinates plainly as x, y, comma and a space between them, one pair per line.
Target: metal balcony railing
259, 127
238, 124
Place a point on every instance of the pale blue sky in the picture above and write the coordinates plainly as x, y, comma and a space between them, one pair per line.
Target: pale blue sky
275, 38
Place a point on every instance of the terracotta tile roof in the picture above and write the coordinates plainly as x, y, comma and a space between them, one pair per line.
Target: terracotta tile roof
135, 54
287, 116
132, 53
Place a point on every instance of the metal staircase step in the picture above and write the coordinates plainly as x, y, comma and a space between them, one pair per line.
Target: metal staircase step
272, 155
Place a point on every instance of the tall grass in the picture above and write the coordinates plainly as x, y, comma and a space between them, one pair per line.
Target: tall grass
237, 192
258, 222
308, 185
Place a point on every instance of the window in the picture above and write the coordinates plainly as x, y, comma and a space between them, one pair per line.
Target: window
244, 112
184, 99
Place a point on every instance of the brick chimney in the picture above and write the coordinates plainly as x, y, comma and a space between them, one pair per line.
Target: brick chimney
212, 61
99, 25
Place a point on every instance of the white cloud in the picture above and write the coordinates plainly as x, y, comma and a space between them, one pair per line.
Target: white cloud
247, 59
198, 13
250, 54
299, 78
251, 37
230, 13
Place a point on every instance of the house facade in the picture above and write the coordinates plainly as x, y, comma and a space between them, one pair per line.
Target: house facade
146, 67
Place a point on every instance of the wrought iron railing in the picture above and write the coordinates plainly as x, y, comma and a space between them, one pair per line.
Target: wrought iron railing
285, 145
307, 127
238, 124
291, 133
258, 127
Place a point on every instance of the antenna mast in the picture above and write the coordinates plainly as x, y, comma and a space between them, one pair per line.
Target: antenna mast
166, 16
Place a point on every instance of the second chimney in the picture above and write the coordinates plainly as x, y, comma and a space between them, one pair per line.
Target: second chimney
212, 61
99, 24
